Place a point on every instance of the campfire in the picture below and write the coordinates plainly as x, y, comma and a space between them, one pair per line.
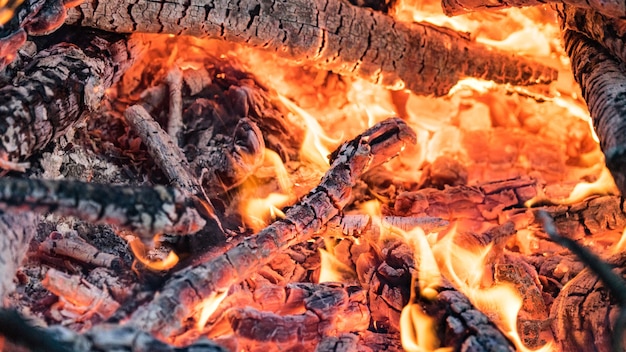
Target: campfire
312, 175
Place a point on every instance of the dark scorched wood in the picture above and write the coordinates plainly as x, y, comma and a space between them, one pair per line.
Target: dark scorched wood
332, 34
144, 210
601, 78
187, 289
57, 86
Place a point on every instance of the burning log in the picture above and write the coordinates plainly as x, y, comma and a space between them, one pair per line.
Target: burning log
421, 57
57, 86
612, 8
186, 291
144, 210
601, 78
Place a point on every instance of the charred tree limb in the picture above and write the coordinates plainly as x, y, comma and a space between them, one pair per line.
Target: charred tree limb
603, 28
17, 230
187, 289
333, 35
611, 8
56, 88
601, 78
141, 209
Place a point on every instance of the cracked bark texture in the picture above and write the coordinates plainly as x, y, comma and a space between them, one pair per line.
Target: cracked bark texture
186, 290
17, 230
610, 8
602, 80
144, 210
585, 311
57, 86
331, 34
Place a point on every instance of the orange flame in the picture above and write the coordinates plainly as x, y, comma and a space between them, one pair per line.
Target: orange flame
141, 254
208, 307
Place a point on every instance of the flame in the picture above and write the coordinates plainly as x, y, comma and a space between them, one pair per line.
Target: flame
621, 245
418, 330
258, 212
332, 269
604, 185
208, 307
316, 142
7, 10
468, 271
282, 176
141, 254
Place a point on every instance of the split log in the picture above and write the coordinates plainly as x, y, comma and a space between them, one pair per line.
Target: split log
610, 8
144, 210
16, 232
56, 88
601, 78
333, 35
187, 289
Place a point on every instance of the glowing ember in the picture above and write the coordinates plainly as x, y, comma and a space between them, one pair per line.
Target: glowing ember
208, 307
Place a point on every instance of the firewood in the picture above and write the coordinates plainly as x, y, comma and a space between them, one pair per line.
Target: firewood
601, 78
612, 8
142, 209
186, 290
597, 25
420, 57
78, 249
57, 86
17, 230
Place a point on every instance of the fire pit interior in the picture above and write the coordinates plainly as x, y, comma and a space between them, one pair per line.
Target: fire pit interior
314, 175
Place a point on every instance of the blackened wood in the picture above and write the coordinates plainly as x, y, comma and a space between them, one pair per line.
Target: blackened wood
610, 8
331, 34
601, 78
608, 31
141, 209
56, 88
186, 290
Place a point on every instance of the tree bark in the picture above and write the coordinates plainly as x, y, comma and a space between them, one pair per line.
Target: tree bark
183, 294
601, 78
333, 35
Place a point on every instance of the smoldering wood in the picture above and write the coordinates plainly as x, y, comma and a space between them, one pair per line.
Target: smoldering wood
327, 309
611, 8
144, 210
57, 86
182, 294
17, 229
420, 57
79, 249
601, 79
598, 26
598, 316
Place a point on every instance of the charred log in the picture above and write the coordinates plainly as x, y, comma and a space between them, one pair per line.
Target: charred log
602, 78
612, 8
56, 88
423, 58
17, 231
187, 289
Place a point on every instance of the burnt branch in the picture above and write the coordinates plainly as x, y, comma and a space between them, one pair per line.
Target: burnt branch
55, 89
601, 78
17, 230
610, 8
187, 289
141, 209
331, 34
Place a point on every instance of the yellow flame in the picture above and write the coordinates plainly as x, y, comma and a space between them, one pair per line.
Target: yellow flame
141, 254
209, 306
604, 185
282, 176
258, 212
314, 147
621, 245
418, 331
332, 269
467, 270
7, 10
